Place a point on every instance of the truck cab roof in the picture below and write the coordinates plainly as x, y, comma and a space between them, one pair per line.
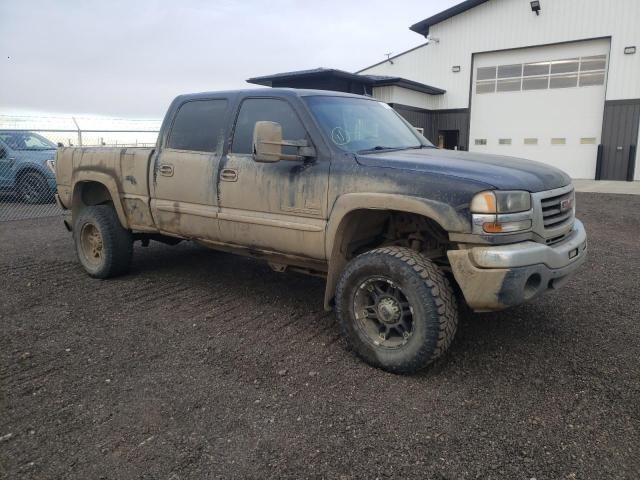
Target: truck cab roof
269, 92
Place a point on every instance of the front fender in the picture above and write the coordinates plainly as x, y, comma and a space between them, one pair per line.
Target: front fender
443, 214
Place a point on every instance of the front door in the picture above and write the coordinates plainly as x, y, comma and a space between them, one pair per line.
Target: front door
184, 184
279, 207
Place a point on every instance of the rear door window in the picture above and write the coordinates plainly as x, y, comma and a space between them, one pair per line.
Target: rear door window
199, 126
254, 110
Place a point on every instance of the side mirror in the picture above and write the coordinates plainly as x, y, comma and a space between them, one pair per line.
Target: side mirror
268, 143
60, 145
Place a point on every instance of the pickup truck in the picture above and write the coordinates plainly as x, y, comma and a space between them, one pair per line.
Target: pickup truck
336, 185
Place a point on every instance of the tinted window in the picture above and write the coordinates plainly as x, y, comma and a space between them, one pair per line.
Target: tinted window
257, 109
199, 126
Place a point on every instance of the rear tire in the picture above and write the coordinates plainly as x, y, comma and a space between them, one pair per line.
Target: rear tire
397, 310
103, 246
33, 188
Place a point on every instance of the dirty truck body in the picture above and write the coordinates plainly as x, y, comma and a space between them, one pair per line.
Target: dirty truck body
340, 186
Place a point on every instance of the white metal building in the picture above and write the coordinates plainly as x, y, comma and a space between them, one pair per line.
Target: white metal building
556, 81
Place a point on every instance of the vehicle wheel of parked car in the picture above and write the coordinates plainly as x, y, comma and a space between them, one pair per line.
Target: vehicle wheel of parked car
397, 310
103, 246
33, 188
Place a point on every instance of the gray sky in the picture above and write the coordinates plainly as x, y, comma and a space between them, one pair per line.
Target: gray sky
130, 58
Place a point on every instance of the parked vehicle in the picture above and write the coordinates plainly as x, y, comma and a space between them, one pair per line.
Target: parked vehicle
27, 166
341, 186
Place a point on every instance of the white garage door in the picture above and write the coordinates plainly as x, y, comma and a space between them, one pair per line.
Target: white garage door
541, 103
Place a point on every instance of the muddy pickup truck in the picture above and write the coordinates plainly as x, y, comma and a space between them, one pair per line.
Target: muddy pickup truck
336, 185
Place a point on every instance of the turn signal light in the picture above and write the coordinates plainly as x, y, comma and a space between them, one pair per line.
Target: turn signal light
506, 227
492, 227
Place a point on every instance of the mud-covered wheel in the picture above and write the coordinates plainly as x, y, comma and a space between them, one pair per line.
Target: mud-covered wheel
397, 310
33, 188
103, 246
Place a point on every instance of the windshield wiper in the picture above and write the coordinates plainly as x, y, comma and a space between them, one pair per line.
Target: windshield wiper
379, 148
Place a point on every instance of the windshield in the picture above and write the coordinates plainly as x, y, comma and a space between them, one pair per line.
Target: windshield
361, 125
26, 141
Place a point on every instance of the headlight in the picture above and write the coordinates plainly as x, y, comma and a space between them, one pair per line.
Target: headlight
501, 212
501, 202
52, 166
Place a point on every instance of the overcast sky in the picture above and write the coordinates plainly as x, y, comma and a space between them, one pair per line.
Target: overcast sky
130, 58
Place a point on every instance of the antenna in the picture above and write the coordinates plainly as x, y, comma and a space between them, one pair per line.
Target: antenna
388, 55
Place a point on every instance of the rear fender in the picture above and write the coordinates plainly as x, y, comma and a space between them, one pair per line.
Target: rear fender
108, 182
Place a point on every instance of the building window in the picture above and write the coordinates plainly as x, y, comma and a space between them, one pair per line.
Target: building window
587, 79
510, 71
565, 66
535, 69
504, 141
486, 73
588, 140
530, 141
597, 62
563, 81
486, 87
535, 83
481, 141
558, 141
563, 73
511, 85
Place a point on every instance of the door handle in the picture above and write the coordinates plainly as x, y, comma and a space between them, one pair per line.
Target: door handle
229, 175
166, 170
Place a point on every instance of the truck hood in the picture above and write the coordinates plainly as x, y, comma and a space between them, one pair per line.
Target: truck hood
504, 173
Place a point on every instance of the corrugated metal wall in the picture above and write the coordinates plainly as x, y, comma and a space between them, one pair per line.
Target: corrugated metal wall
432, 121
619, 139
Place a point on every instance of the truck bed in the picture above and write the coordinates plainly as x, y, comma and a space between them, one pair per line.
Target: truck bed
124, 171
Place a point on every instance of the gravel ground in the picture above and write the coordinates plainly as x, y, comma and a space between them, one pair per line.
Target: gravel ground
206, 365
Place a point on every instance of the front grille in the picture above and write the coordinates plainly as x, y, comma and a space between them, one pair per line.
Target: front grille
553, 216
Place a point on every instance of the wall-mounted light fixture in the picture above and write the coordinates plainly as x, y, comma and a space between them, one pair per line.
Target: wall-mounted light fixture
630, 50
455, 69
535, 7
431, 39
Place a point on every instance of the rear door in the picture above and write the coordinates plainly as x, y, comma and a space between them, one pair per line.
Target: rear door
280, 206
184, 175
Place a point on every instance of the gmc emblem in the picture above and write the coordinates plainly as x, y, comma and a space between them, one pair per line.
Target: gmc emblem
566, 204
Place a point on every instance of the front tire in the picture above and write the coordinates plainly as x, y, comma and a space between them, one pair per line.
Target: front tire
103, 246
397, 310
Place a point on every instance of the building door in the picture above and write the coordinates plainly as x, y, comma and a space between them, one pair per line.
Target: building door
542, 103
619, 139
449, 139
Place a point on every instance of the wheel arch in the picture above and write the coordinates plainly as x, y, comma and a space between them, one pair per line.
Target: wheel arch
358, 212
97, 189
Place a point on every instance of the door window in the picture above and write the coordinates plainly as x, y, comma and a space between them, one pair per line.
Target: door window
270, 109
199, 126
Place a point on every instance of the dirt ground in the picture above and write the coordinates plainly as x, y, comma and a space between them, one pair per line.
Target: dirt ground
206, 365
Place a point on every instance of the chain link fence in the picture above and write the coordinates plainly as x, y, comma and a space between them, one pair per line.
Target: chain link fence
28, 147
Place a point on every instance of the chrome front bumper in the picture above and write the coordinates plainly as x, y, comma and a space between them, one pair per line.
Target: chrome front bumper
496, 277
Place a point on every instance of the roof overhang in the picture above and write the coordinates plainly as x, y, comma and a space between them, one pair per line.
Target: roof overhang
423, 27
291, 78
